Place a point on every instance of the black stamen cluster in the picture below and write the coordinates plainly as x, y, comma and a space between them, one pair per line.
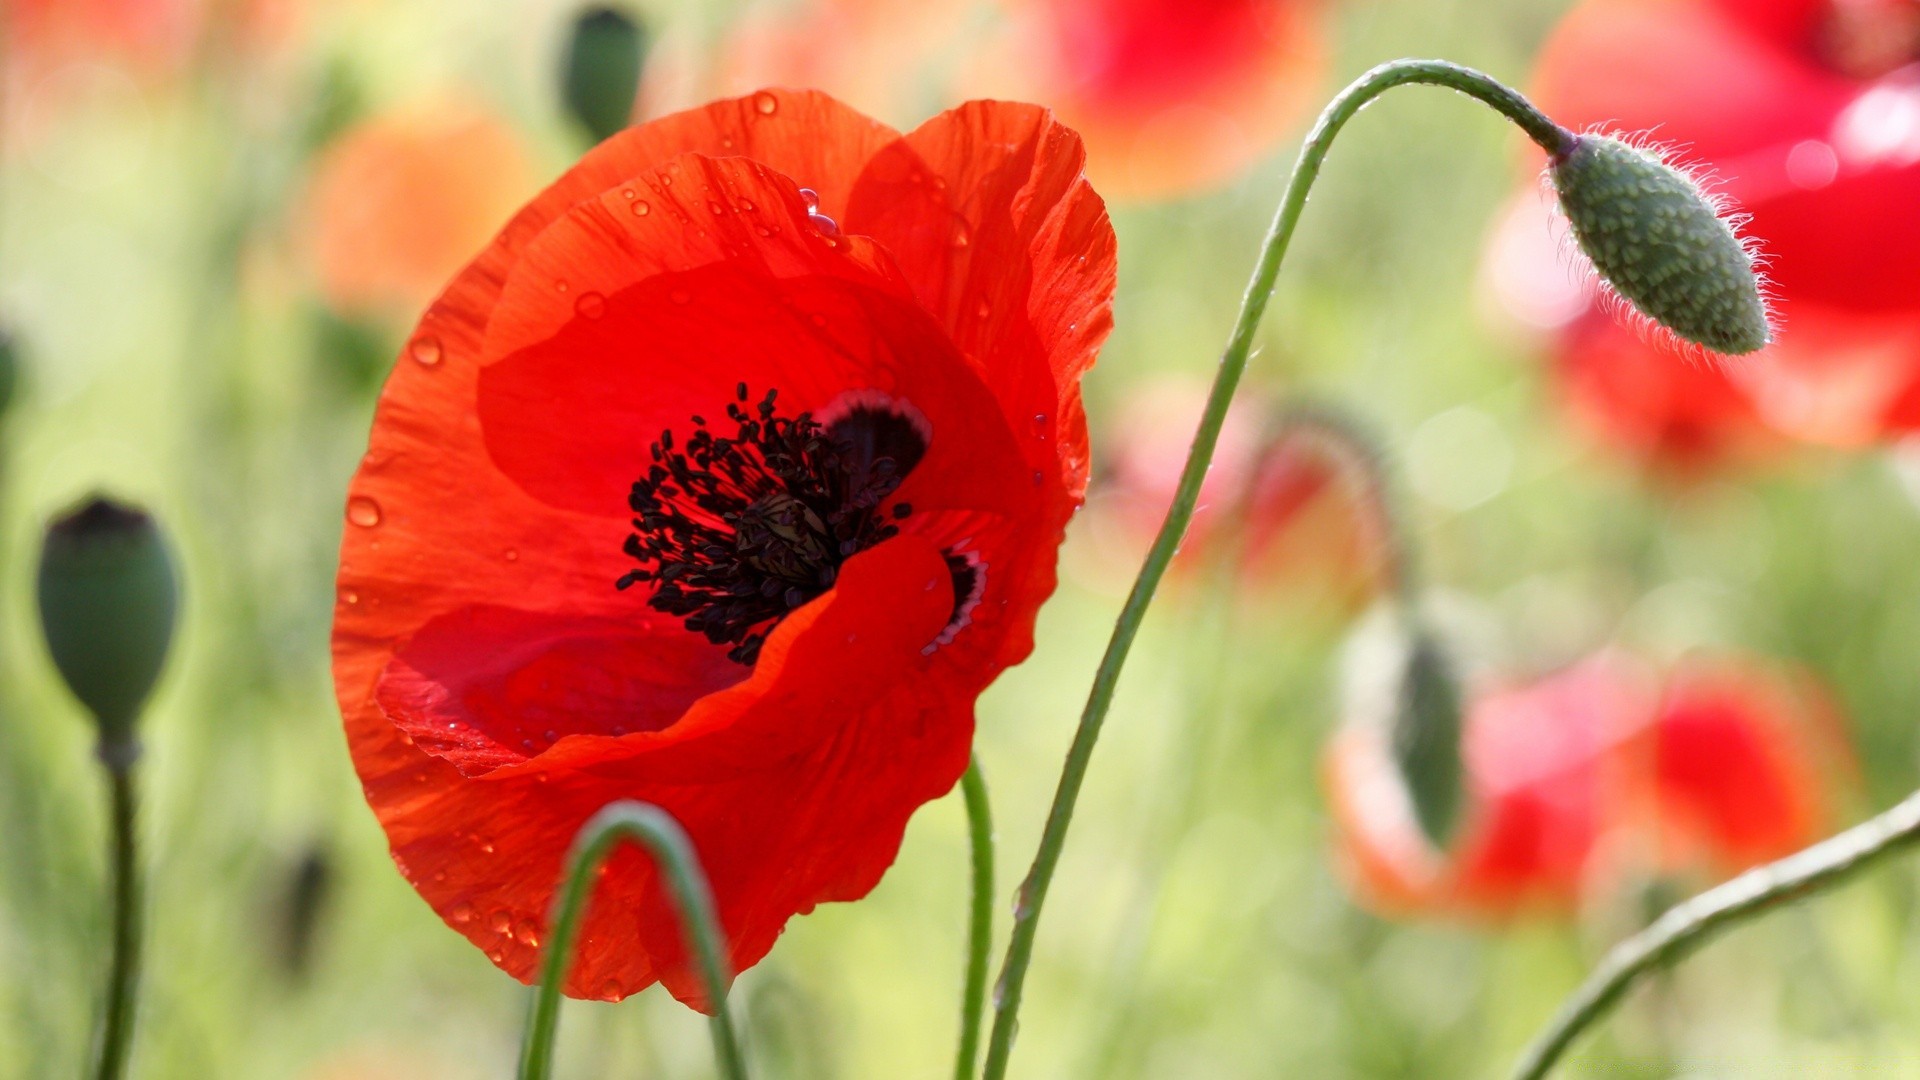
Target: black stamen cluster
739, 530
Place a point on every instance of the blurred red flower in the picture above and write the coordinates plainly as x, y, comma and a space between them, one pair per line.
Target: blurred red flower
1808, 112
1173, 96
866, 442
1278, 501
399, 201
1589, 779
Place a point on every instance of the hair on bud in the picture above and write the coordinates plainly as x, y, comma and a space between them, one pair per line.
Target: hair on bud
1662, 243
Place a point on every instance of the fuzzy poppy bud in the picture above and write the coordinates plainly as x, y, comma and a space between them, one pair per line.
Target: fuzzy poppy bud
1426, 737
1662, 243
108, 599
601, 74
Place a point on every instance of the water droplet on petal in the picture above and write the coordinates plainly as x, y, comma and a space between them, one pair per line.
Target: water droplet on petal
496, 955
500, 922
363, 511
461, 913
765, 104
983, 310
630, 194
826, 225
811, 198
642, 208
525, 933
961, 236
1040, 425
610, 991
512, 555
716, 208
590, 305
350, 597
559, 285
745, 206
426, 350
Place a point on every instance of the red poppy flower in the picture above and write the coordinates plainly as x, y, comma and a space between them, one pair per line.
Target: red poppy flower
1540, 791
1806, 111
1738, 765
1279, 498
1173, 96
822, 382
1589, 776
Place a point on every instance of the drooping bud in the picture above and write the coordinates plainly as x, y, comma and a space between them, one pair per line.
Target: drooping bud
1426, 737
108, 600
1661, 243
1399, 685
601, 74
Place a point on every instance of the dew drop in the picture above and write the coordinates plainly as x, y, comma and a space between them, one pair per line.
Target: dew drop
512, 555
560, 285
496, 955
983, 310
461, 913
363, 511
765, 104
500, 922
642, 208
591, 305
486, 847
716, 208
726, 142
425, 350
350, 597
961, 236
745, 206
1038, 479
610, 991
630, 194
525, 933
1040, 425
826, 225
552, 735
811, 198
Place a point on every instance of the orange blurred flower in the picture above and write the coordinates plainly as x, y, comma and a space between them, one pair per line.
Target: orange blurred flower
401, 201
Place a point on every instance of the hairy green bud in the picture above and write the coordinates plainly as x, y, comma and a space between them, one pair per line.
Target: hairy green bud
1426, 738
601, 74
1662, 243
108, 600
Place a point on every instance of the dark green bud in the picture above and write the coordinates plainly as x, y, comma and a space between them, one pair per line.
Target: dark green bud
1426, 737
601, 75
108, 600
1662, 243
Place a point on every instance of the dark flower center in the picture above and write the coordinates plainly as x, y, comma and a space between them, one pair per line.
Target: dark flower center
738, 530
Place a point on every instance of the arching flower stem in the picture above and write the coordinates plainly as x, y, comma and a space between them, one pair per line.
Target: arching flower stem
973, 1000
657, 831
1690, 924
1551, 137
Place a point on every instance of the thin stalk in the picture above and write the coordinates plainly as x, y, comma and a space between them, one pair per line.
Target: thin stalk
1233, 363
1689, 925
656, 830
123, 858
973, 999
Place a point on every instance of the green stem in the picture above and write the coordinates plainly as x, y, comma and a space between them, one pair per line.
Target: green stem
1233, 363
657, 831
973, 1000
123, 976
1690, 924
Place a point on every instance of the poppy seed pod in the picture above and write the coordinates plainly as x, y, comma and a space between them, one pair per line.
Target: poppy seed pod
601, 74
108, 599
1662, 243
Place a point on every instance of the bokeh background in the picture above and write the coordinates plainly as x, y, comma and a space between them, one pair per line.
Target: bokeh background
219, 217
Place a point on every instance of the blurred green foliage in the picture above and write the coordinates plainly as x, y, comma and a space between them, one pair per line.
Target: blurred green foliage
1200, 928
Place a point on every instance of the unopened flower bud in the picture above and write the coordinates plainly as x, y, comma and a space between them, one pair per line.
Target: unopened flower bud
1400, 682
108, 600
601, 73
1662, 243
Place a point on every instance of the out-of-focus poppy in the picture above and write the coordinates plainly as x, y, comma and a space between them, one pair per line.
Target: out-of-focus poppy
856, 356
1738, 765
1173, 96
400, 201
1539, 791
1277, 498
1804, 110
1594, 777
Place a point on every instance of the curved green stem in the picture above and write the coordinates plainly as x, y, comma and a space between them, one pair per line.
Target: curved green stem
657, 831
1689, 925
123, 977
1233, 362
973, 999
